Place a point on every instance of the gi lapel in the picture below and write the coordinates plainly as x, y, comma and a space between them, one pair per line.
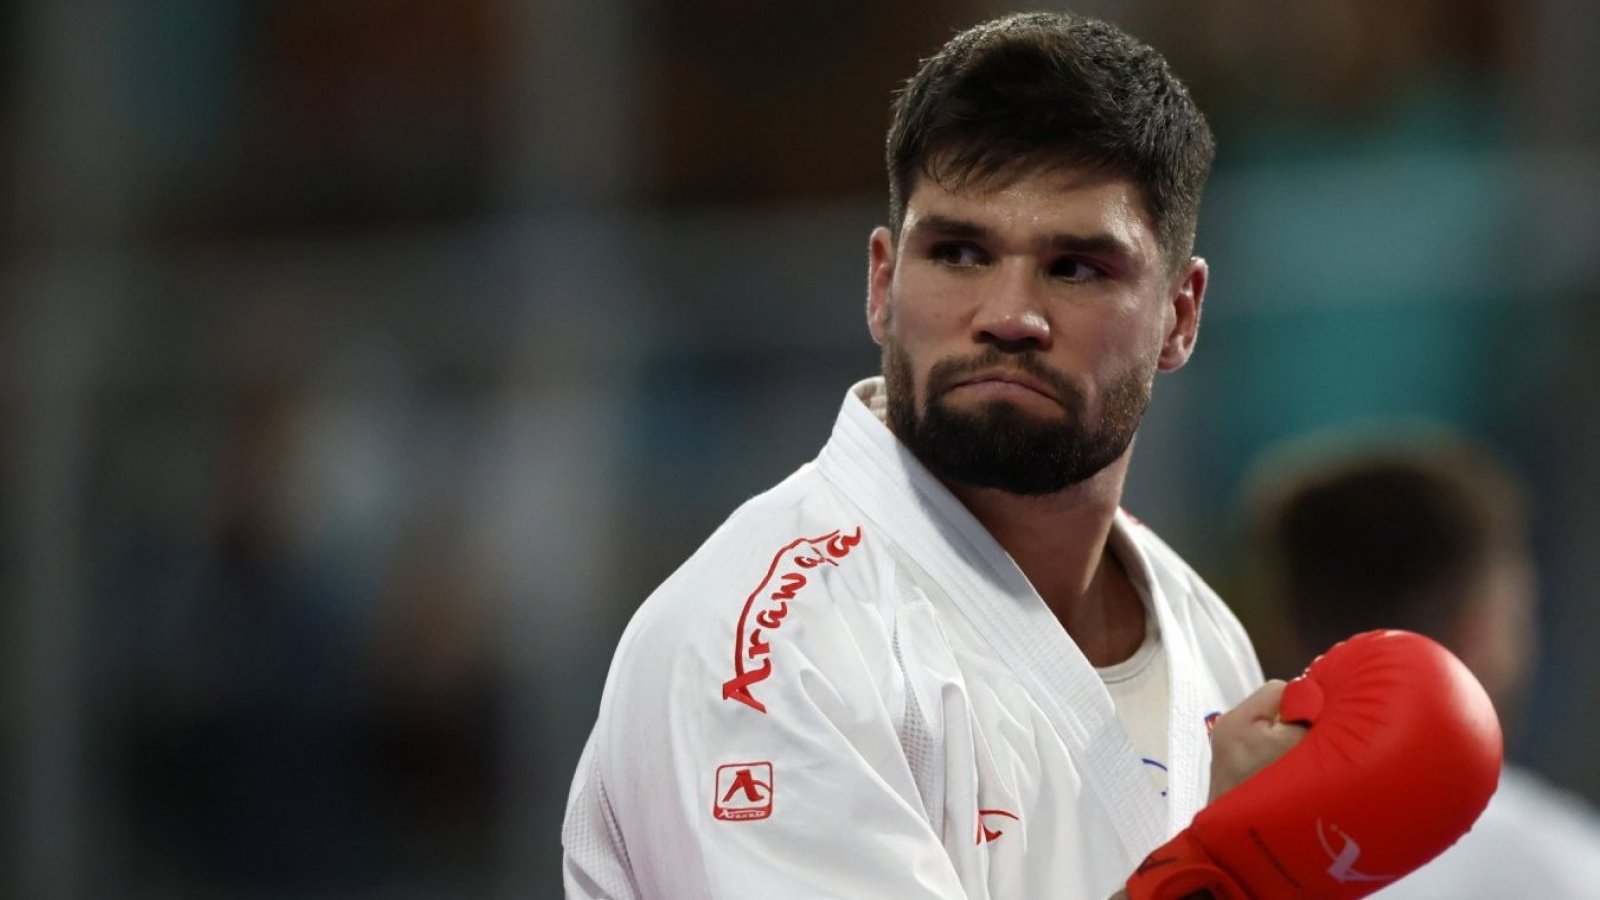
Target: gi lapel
1188, 754
912, 509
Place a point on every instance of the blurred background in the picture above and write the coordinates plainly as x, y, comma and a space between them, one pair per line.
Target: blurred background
364, 364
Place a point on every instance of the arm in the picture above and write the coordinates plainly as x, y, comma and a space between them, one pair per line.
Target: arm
1244, 741
780, 768
1402, 754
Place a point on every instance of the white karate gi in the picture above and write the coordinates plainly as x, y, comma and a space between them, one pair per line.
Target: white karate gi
851, 690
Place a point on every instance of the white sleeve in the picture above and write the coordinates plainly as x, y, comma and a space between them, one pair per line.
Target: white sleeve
594, 862
790, 781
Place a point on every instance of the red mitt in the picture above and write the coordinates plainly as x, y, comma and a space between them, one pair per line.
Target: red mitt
1402, 753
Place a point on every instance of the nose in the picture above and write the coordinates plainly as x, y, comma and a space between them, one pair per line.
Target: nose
1011, 313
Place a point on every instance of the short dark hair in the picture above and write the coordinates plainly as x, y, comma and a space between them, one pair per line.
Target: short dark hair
1386, 538
1042, 90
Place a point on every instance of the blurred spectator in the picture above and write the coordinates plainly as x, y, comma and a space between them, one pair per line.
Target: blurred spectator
1351, 251
1433, 537
233, 719
293, 632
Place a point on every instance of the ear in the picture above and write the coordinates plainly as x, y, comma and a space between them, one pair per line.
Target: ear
880, 277
1187, 294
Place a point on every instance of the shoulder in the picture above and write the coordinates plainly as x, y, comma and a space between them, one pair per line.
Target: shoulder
1533, 840
1530, 802
798, 539
770, 593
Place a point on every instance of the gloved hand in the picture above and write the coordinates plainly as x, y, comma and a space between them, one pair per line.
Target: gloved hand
1402, 754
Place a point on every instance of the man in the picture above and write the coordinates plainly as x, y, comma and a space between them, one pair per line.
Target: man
1430, 536
939, 660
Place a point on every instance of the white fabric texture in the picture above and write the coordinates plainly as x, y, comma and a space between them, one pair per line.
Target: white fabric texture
1533, 840
851, 690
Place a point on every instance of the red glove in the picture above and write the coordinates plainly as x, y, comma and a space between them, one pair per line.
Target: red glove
1401, 756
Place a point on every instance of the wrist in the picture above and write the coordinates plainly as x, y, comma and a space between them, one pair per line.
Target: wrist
1181, 870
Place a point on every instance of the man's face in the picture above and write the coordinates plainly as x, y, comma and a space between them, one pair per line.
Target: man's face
1022, 324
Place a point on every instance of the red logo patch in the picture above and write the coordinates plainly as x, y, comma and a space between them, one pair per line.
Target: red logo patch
744, 792
782, 584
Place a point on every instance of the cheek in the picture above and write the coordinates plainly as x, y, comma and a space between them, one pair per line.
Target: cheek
899, 374
1116, 338
926, 303
921, 329
1138, 337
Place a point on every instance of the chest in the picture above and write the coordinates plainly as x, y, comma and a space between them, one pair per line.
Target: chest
1028, 799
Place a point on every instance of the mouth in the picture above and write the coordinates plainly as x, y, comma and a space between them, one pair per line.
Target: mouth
1005, 384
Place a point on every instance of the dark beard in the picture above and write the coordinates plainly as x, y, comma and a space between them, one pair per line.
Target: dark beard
1001, 446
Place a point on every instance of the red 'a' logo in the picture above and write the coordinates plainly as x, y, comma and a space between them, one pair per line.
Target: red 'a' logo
744, 792
987, 834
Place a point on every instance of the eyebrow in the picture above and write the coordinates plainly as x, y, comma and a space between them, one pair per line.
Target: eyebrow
1100, 243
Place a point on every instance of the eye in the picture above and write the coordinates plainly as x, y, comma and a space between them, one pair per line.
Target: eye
959, 254
1073, 269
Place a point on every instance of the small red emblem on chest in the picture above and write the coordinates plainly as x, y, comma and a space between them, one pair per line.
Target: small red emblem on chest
987, 834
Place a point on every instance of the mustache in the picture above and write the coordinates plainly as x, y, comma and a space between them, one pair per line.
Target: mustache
947, 372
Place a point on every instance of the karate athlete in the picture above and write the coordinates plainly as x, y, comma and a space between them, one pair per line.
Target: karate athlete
939, 661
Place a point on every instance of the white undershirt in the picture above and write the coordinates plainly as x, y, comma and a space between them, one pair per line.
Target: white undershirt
1138, 687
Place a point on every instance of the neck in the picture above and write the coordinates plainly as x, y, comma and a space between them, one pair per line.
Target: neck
1059, 541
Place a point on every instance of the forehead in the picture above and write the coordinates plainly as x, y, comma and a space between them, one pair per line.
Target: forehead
1056, 200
